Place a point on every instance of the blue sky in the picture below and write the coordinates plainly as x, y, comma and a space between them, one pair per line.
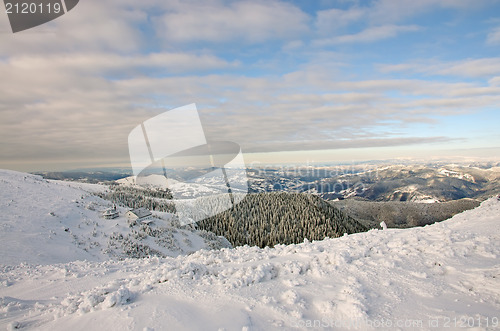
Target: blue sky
290, 81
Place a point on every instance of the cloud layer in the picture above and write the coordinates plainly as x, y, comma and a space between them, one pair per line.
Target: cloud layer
271, 76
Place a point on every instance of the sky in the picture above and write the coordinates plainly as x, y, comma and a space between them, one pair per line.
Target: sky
289, 81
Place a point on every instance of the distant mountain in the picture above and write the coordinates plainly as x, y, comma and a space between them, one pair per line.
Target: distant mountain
94, 177
268, 219
417, 183
424, 183
431, 182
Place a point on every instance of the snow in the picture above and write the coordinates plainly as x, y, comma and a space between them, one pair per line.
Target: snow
451, 173
442, 276
414, 195
45, 222
198, 187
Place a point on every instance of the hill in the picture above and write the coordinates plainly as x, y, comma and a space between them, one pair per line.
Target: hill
49, 221
267, 219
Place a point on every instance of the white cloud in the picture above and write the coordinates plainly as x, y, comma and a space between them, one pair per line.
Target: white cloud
390, 11
241, 21
386, 12
131, 26
495, 81
106, 63
80, 116
330, 20
485, 67
369, 35
493, 37
91, 26
475, 68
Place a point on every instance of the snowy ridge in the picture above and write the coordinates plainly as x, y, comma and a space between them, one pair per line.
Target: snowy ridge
181, 190
50, 221
412, 194
413, 278
450, 173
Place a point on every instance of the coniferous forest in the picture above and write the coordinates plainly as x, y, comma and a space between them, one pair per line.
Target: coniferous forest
133, 197
268, 219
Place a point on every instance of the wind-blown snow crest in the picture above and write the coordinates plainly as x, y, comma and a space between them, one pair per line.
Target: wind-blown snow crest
426, 278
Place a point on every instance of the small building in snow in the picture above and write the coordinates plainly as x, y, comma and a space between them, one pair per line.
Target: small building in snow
110, 213
139, 215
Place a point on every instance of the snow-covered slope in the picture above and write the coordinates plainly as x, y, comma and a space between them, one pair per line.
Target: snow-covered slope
194, 188
443, 276
45, 221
